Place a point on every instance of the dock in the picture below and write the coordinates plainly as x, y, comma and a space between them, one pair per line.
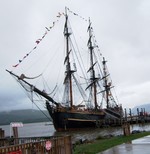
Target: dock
140, 117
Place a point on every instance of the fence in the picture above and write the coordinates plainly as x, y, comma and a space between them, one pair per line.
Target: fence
52, 145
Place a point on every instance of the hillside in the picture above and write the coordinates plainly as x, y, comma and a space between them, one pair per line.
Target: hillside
25, 116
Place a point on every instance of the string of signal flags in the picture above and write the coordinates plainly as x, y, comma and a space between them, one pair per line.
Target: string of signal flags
48, 29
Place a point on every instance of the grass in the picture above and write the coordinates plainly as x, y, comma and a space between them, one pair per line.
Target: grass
104, 144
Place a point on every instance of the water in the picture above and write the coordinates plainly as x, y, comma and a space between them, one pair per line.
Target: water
44, 129
31, 130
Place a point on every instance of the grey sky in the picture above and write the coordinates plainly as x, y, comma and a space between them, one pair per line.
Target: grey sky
122, 29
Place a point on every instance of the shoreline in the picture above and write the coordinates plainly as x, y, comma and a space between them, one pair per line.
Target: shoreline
102, 144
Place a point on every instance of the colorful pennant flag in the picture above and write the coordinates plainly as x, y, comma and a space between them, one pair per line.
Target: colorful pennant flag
77, 15
39, 40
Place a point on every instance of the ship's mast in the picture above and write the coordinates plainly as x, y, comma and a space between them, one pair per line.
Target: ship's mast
67, 59
92, 78
106, 86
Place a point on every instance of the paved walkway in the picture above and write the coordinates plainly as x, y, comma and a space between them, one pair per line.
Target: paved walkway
138, 146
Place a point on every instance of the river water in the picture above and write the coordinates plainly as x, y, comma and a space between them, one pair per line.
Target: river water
47, 129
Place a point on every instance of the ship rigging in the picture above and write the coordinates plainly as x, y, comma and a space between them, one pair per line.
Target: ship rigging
93, 105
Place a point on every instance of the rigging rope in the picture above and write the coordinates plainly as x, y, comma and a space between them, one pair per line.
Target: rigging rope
38, 41
31, 97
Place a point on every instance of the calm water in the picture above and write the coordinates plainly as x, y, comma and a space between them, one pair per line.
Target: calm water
44, 129
31, 130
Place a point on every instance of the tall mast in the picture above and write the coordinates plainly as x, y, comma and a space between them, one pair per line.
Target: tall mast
67, 59
106, 86
92, 78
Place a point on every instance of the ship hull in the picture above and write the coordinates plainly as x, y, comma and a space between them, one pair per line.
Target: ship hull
74, 120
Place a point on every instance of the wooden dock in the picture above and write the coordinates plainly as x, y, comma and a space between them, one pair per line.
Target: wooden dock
141, 117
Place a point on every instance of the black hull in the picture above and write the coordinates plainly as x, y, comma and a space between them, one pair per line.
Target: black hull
64, 120
72, 121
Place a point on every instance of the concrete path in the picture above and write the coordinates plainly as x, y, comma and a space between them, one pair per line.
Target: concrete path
138, 146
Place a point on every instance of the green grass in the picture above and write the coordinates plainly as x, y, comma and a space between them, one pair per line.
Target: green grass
104, 144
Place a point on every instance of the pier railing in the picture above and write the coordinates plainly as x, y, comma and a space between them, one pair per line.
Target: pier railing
37, 145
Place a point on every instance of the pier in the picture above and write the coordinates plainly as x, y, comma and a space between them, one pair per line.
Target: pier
141, 117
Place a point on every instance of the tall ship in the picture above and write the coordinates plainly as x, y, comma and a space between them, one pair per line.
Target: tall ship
85, 99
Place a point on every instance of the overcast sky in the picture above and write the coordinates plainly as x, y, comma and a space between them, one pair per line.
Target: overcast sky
122, 28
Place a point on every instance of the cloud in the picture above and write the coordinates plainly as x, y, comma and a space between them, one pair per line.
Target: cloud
121, 29
133, 95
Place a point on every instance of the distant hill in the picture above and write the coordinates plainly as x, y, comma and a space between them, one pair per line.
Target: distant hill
144, 106
25, 116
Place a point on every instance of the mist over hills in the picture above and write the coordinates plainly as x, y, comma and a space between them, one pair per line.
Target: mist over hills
141, 107
31, 116
25, 116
